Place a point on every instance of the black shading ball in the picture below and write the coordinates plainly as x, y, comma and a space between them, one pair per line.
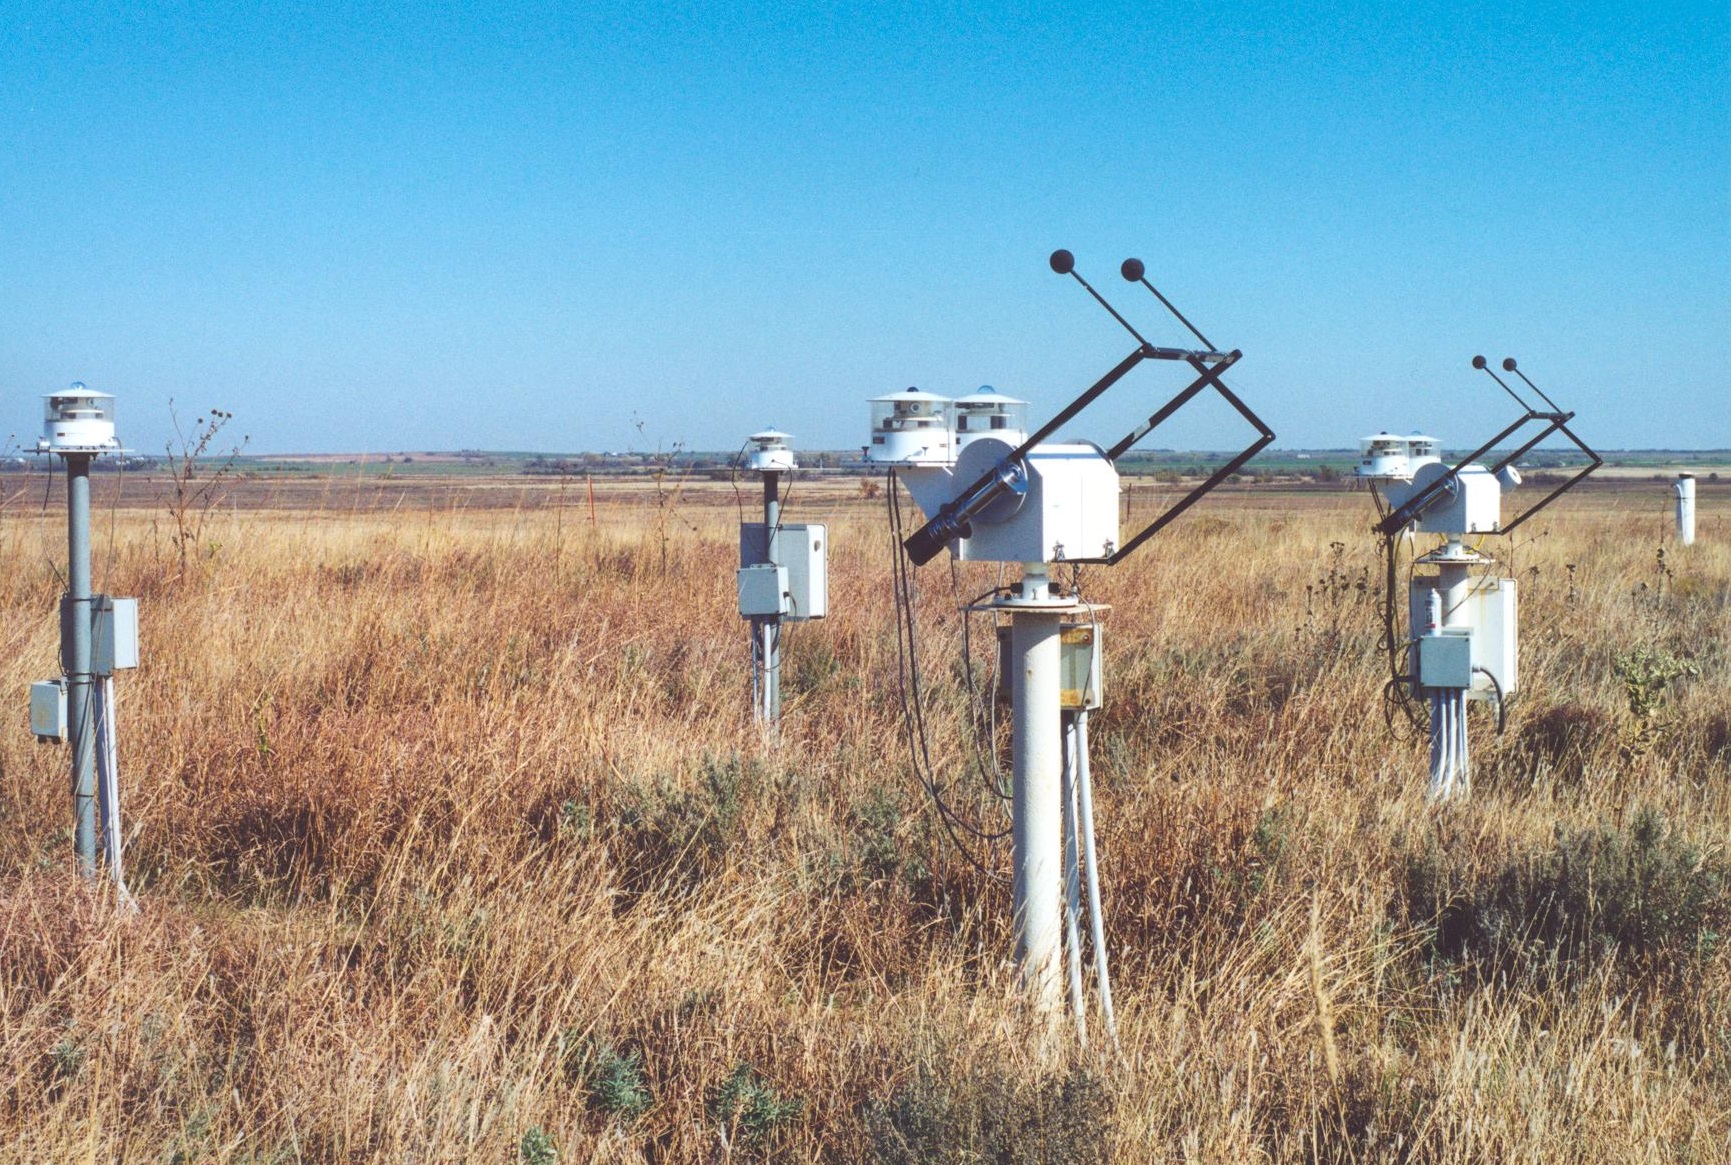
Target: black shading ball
1132, 270
1062, 261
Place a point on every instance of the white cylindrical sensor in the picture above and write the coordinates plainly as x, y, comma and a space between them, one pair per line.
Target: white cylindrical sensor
1686, 509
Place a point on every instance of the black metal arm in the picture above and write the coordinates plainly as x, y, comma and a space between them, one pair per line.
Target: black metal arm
955, 519
1554, 421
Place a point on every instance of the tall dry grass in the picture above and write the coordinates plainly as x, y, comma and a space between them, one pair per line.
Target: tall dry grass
455, 842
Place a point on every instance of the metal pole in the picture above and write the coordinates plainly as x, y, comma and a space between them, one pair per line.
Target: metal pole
75, 653
1037, 808
1686, 509
770, 627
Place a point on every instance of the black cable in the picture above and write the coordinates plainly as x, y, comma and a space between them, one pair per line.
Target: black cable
47, 492
912, 698
733, 480
980, 708
781, 506
1502, 708
1398, 690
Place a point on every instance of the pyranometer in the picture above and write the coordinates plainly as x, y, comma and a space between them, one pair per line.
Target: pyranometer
78, 420
770, 449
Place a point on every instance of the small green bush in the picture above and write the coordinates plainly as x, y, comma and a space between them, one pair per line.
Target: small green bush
748, 1106
1643, 893
537, 1148
672, 832
614, 1077
985, 1116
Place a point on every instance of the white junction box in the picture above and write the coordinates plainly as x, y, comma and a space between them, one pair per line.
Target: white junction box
762, 590
48, 710
1488, 620
113, 635
804, 553
1496, 638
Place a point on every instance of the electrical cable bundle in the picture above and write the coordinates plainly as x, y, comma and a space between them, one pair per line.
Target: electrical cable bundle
912, 698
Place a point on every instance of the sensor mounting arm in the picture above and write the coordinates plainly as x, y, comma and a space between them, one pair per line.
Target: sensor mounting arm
1134, 271
1209, 378
1553, 421
954, 519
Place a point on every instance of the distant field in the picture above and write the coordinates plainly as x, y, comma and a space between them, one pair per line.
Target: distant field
455, 840
337, 487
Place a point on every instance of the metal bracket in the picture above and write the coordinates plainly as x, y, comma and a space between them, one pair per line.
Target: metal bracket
1554, 420
955, 519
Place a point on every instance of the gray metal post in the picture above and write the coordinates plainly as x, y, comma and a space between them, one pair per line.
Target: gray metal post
769, 626
75, 652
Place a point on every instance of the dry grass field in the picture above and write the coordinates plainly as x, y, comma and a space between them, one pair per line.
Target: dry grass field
454, 841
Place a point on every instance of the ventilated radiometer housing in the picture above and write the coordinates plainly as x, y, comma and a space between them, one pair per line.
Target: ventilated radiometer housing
911, 428
78, 421
1386, 457
770, 450
989, 413
1422, 450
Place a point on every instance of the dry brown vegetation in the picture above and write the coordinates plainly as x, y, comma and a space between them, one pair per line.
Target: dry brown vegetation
455, 842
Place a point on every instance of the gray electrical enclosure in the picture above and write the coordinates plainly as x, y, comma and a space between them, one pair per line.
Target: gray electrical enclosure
804, 554
113, 635
762, 590
1445, 660
48, 710
1079, 654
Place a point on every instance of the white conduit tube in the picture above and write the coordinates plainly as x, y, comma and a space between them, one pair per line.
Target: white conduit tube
108, 791
1448, 742
1438, 748
1448, 731
1096, 917
1072, 879
1463, 763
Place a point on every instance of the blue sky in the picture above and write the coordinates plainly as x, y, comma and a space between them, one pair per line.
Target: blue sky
569, 227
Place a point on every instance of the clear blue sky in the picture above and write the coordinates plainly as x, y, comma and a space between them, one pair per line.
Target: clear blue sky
571, 227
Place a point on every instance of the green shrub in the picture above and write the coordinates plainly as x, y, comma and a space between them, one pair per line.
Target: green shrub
749, 1107
613, 1077
1643, 893
678, 833
537, 1148
984, 1115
